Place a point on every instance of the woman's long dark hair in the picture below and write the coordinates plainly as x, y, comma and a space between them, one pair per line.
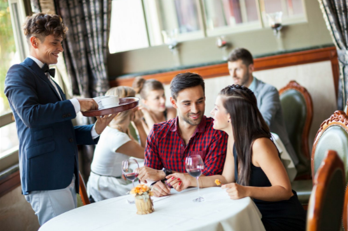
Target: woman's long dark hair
247, 125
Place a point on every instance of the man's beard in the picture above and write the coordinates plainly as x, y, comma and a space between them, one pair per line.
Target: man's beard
191, 122
245, 78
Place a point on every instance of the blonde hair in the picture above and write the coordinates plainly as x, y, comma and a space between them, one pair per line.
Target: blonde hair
121, 92
143, 87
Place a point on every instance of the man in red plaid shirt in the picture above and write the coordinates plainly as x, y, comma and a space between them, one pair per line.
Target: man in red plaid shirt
170, 142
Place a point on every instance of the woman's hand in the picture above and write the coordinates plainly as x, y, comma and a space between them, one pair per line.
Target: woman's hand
137, 116
236, 191
179, 181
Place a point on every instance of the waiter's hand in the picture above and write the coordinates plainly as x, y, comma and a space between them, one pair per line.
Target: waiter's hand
87, 104
102, 122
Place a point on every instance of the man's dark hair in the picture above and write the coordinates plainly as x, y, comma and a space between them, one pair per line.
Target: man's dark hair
183, 81
241, 54
41, 25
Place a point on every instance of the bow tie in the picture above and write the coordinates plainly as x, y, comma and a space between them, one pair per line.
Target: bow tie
51, 71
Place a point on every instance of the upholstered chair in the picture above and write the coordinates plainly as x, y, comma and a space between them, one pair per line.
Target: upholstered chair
326, 201
333, 135
297, 110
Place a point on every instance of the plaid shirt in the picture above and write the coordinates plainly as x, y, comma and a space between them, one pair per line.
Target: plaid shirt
165, 148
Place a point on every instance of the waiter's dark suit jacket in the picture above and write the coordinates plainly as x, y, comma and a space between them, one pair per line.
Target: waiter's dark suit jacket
47, 139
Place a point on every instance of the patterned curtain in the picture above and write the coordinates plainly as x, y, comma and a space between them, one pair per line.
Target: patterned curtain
336, 16
88, 23
85, 53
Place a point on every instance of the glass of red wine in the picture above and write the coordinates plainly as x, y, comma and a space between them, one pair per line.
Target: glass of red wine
194, 166
129, 171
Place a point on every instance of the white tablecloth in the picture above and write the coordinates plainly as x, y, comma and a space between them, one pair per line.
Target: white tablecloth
175, 212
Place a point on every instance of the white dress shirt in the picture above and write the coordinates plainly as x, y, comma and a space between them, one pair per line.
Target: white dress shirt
74, 101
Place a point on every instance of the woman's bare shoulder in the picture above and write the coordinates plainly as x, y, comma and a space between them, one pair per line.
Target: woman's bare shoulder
264, 146
171, 112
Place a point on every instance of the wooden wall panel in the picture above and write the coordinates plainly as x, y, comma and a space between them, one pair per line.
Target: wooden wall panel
264, 63
9, 183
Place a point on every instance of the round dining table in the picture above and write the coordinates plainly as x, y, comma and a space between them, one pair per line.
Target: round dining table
174, 212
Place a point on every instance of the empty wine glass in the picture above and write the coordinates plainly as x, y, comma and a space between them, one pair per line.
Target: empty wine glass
194, 166
129, 171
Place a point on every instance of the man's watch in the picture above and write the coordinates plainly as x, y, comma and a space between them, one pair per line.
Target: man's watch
167, 171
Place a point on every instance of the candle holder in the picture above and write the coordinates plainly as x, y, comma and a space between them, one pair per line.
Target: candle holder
222, 44
170, 38
275, 22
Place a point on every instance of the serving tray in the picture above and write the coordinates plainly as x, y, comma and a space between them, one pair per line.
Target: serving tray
124, 105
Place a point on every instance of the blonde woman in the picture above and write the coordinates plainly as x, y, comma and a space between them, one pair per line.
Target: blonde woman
115, 145
153, 100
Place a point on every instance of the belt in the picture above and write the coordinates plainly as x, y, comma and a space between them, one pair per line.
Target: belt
117, 177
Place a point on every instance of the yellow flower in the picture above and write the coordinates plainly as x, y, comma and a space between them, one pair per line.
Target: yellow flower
140, 189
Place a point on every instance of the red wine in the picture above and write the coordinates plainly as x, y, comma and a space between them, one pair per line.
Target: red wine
131, 176
195, 173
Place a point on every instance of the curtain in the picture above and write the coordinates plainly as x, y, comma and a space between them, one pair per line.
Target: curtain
85, 53
336, 16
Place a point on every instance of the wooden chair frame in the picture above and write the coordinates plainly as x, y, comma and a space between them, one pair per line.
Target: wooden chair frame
309, 115
330, 163
82, 191
339, 118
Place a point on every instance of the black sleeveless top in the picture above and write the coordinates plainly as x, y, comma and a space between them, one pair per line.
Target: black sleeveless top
287, 215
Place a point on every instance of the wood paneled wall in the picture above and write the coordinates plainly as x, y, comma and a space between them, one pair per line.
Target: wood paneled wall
265, 63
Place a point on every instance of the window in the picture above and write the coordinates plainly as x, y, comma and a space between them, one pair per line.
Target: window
158, 22
226, 16
12, 51
127, 29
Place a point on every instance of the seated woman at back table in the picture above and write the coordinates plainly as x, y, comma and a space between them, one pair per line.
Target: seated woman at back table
115, 145
252, 167
153, 100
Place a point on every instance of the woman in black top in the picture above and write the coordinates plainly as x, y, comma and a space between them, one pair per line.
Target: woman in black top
252, 162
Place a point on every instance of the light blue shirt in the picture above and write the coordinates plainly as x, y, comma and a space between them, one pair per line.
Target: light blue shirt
252, 85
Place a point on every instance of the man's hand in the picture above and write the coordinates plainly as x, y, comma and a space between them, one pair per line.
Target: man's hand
102, 122
159, 189
236, 191
147, 173
87, 104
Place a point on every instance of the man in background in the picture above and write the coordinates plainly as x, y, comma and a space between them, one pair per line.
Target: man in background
241, 66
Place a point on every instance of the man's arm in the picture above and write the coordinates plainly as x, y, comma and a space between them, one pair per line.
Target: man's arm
216, 154
22, 94
153, 164
270, 104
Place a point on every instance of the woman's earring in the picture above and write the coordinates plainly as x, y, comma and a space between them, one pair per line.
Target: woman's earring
228, 121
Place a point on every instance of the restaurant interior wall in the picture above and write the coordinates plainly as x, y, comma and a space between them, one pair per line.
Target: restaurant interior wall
260, 42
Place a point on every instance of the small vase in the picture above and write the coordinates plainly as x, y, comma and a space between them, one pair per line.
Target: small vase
144, 204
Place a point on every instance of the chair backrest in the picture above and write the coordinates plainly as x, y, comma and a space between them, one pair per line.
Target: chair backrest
345, 210
297, 110
332, 135
326, 201
82, 191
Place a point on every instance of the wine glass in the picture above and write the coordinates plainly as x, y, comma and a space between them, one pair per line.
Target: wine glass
129, 171
194, 166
